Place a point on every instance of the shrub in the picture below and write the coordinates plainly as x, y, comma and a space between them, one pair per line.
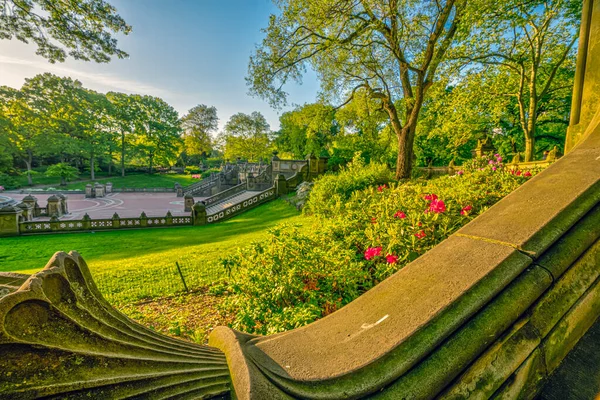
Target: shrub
192, 169
298, 275
332, 190
208, 172
63, 171
8, 182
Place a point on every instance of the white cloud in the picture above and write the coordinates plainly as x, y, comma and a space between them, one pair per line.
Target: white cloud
89, 79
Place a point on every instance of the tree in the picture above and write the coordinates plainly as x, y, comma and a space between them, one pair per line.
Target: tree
532, 46
82, 27
308, 129
157, 130
63, 171
247, 136
198, 126
126, 109
393, 49
22, 127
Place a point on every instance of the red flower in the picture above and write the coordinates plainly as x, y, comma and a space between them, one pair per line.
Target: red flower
437, 206
400, 214
380, 188
420, 235
372, 252
430, 197
465, 210
373, 220
527, 174
391, 259
518, 173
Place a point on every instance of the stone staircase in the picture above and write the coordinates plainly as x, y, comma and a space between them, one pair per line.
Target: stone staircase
226, 203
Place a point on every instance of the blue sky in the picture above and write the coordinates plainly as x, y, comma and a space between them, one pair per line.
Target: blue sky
187, 52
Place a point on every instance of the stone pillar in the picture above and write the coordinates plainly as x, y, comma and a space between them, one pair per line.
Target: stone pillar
10, 217
89, 191
108, 187
32, 202
143, 219
169, 218
281, 185
63, 203
87, 222
54, 207
199, 214
116, 221
178, 189
27, 210
54, 221
587, 76
188, 202
99, 189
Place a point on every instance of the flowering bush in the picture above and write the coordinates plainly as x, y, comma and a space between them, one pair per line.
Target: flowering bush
332, 190
300, 274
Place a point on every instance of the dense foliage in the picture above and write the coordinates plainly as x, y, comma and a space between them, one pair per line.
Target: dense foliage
300, 274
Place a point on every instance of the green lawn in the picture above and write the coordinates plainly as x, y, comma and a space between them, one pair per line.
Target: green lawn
132, 181
141, 181
134, 264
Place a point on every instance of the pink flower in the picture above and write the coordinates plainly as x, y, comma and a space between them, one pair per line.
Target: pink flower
381, 187
527, 174
491, 162
400, 214
496, 155
437, 206
372, 252
420, 235
460, 172
195, 176
494, 168
430, 197
465, 210
391, 259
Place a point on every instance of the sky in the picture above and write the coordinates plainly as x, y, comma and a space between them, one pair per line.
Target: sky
186, 52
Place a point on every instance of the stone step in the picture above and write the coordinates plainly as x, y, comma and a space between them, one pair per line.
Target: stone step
215, 208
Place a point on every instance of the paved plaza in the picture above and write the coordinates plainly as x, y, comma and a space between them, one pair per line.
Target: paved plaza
127, 205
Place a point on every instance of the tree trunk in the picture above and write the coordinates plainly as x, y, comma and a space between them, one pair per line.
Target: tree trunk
404, 162
92, 172
529, 147
63, 181
28, 162
123, 153
151, 159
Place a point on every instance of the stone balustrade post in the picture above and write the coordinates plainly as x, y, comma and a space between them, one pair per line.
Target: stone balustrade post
188, 202
99, 189
199, 214
178, 189
87, 222
169, 218
54, 207
89, 191
108, 187
116, 221
10, 217
54, 221
281, 185
143, 219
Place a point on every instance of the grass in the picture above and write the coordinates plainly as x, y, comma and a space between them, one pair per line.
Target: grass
139, 264
130, 181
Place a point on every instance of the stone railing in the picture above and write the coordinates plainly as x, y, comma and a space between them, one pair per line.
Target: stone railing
200, 185
116, 222
235, 209
143, 190
225, 194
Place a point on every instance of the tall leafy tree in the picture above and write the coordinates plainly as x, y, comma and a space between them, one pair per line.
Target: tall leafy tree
81, 29
199, 124
157, 130
22, 128
126, 109
392, 49
247, 136
531, 44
